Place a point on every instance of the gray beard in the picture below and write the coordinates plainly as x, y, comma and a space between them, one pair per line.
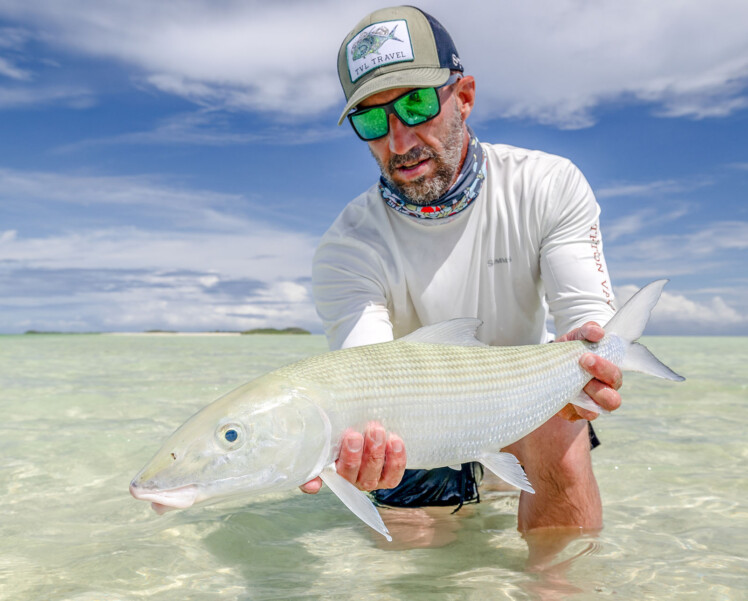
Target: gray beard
424, 190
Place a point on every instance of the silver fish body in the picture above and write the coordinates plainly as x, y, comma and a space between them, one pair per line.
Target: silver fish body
448, 403
449, 397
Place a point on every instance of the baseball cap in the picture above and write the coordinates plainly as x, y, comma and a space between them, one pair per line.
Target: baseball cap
396, 47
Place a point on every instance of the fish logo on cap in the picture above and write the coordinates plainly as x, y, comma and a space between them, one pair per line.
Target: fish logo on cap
365, 50
370, 41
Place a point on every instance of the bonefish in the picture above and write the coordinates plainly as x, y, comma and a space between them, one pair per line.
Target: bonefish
451, 398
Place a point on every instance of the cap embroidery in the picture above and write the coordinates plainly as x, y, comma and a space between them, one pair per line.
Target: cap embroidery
378, 45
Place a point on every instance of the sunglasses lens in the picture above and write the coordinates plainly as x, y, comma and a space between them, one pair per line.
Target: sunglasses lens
370, 125
414, 108
418, 106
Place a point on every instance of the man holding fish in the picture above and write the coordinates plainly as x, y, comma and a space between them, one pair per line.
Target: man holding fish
456, 228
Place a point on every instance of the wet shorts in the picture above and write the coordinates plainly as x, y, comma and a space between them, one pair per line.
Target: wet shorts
442, 486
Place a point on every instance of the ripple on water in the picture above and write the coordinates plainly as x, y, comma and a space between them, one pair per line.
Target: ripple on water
83, 414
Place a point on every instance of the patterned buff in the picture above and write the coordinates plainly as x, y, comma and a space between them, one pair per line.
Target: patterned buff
460, 195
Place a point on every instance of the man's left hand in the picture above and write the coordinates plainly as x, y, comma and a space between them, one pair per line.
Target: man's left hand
606, 376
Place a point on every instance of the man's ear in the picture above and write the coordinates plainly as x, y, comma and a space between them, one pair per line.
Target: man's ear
465, 95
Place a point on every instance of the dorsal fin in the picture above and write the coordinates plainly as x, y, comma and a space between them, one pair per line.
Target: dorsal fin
460, 332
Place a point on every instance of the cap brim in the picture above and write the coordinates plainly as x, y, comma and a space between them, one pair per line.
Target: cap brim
420, 77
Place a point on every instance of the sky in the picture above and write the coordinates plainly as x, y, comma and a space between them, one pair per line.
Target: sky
172, 165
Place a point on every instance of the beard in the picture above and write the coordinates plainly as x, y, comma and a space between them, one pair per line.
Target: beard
426, 189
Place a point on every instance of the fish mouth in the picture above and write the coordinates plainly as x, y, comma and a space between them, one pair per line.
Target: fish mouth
166, 500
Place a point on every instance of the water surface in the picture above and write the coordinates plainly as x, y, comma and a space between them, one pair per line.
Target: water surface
82, 414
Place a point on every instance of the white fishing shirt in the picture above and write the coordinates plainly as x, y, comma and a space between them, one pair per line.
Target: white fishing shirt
528, 244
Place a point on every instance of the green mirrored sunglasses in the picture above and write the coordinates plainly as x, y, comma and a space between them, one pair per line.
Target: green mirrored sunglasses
412, 108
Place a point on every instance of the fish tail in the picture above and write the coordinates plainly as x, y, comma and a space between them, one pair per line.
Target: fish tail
629, 323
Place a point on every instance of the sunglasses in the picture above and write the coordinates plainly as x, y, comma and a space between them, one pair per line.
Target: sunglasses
412, 108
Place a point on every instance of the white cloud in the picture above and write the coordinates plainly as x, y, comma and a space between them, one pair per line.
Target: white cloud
554, 61
707, 261
124, 278
10, 70
147, 255
23, 96
719, 245
25, 186
639, 222
645, 189
215, 128
678, 314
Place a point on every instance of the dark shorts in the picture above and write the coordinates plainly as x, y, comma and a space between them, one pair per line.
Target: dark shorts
442, 486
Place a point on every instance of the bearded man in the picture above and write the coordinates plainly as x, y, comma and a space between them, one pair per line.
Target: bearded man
458, 228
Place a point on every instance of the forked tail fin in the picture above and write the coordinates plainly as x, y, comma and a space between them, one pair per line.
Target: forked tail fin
629, 323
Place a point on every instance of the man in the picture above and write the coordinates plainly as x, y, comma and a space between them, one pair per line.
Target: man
456, 228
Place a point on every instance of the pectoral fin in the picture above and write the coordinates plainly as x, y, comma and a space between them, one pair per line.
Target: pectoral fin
506, 467
354, 499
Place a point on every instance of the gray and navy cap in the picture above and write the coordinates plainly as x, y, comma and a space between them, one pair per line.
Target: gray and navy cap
397, 47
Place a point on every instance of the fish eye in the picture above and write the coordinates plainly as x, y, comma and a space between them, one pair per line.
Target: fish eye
231, 436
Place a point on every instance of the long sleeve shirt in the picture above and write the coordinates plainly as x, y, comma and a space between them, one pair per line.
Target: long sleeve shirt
528, 246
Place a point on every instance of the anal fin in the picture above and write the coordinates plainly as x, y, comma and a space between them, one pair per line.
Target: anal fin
355, 500
506, 467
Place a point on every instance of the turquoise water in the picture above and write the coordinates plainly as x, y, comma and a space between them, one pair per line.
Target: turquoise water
82, 414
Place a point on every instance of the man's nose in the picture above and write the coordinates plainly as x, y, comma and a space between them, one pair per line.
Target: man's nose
401, 137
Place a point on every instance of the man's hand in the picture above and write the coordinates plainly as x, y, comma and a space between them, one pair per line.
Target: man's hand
370, 461
607, 377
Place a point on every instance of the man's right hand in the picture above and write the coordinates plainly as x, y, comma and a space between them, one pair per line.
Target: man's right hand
371, 460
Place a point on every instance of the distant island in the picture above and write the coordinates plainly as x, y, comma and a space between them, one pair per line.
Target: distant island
32, 332
292, 330
277, 331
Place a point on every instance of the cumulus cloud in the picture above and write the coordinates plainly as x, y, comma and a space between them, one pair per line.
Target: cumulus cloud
678, 314
165, 258
123, 279
706, 261
716, 250
552, 62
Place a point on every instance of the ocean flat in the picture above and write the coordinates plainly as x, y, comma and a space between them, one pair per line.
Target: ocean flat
82, 414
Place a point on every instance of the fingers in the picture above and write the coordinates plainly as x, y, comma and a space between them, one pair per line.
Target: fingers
602, 370
607, 379
603, 395
590, 331
312, 487
349, 460
371, 461
394, 463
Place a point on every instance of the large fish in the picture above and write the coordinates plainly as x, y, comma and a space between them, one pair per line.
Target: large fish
451, 399
372, 41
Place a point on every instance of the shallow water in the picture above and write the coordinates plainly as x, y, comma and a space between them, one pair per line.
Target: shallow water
82, 414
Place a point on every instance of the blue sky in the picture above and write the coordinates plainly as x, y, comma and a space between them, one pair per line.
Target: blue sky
172, 165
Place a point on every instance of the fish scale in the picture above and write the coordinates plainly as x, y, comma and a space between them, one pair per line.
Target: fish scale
411, 387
